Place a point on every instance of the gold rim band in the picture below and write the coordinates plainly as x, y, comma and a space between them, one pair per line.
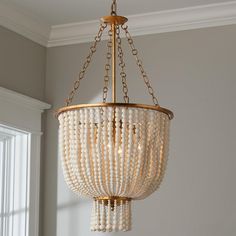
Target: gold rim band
143, 106
112, 198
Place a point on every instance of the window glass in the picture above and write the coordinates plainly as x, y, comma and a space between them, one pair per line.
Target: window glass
14, 182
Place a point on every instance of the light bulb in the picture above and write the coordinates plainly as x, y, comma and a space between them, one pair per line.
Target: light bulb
119, 150
139, 147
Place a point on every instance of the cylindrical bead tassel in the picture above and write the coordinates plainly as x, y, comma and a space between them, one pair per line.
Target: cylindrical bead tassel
111, 215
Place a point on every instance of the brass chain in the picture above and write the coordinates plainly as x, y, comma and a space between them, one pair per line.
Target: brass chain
122, 65
93, 49
140, 64
107, 67
113, 8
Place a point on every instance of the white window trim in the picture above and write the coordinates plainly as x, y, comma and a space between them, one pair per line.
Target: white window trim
24, 113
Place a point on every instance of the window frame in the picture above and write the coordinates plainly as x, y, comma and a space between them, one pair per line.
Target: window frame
24, 113
11, 152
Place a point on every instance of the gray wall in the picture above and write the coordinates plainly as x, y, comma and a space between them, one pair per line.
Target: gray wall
22, 68
194, 73
22, 64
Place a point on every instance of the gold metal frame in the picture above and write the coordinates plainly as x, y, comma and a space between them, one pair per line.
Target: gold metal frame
143, 106
113, 29
112, 200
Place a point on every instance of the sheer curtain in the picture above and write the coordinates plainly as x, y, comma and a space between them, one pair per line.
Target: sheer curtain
14, 181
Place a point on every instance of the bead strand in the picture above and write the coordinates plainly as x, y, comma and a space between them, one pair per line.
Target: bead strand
72, 183
105, 152
86, 149
139, 161
102, 225
135, 150
99, 152
114, 227
128, 151
121, 215
117, 148
63, 150
110, 148
84, 155
122, 156
126, 218
75, 152
108, 224
155, 157
148, 165
93, 153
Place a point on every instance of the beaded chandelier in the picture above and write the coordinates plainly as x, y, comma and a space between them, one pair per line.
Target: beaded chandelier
113, 152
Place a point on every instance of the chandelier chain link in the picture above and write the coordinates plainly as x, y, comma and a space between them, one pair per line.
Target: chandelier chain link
93, 49
107, 66
122, 66
140, 65
113, 8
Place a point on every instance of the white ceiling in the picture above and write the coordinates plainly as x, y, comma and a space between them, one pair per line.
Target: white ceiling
63, 22
54, 12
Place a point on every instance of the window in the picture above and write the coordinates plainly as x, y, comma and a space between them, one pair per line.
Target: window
20, 136
14, 182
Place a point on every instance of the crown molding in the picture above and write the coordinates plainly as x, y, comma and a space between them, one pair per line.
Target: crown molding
151, 23
24, 24
142, 24
73, 33
184, 19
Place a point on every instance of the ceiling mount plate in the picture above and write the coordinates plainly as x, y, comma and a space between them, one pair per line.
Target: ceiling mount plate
116, 20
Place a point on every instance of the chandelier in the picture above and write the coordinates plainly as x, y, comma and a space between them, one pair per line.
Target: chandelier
113, 152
